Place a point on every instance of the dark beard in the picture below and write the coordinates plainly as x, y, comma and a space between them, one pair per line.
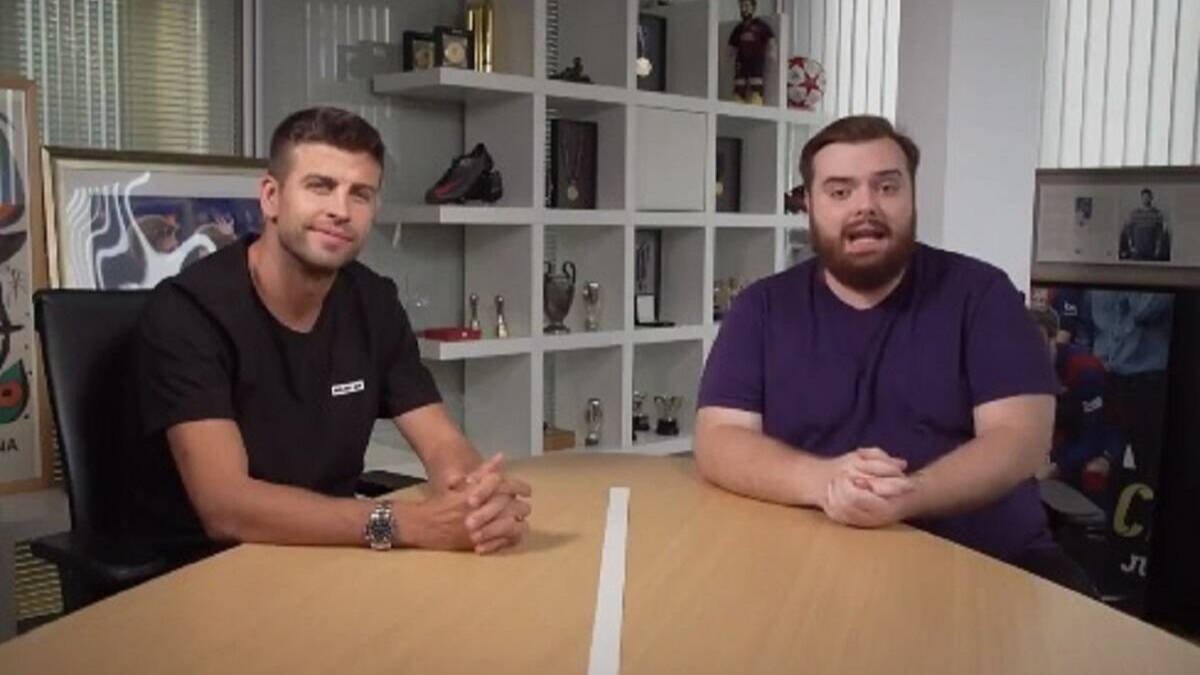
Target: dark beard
857, 276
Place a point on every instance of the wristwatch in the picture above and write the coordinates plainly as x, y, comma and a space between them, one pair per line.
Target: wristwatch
378, 531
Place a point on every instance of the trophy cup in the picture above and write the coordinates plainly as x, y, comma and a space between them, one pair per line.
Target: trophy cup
501, 324
668, 407
641, 421
594, 416
591, 304
557, 295
473, 324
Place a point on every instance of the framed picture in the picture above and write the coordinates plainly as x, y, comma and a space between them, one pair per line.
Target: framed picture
419, 50
452, 48
647, 275
1124, 226
651, 64
26, 445
573, 147
129, 220
729, 174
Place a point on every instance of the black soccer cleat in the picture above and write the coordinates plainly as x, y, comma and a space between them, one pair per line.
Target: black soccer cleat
457, 184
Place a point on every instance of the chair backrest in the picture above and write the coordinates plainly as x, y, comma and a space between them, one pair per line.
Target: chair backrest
88, 343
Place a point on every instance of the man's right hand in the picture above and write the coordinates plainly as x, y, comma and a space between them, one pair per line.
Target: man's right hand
863, 486
437, 523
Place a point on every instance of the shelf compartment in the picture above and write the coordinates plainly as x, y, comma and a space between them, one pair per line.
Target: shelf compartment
573, 377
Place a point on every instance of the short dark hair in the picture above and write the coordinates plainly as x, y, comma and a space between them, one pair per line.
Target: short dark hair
342, 129
1148, 191
856, 129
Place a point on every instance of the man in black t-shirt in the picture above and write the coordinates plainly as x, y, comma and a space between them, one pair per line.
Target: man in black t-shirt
263, 367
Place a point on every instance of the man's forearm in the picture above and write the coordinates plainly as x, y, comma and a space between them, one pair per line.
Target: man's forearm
975, 474
752, 464
454, 457
262, 512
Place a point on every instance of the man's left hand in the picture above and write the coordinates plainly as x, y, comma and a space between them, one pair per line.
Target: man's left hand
499, 506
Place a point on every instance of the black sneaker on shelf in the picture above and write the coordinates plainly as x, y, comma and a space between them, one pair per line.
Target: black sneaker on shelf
489, 188
461, 178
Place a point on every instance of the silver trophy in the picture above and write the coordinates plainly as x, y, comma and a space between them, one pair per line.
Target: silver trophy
594, 416
501, 324
473, 324
591, 305
668, 407
641, 421
557, 295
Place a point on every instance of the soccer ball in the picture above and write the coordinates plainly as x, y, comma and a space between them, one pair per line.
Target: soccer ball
806, 82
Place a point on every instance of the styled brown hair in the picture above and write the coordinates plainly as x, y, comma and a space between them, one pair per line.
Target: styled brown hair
332, 126
856, 129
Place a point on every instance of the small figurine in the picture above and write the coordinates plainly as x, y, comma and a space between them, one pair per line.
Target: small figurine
751, 42
573, 73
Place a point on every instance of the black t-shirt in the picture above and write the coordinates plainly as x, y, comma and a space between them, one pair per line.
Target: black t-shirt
305, 403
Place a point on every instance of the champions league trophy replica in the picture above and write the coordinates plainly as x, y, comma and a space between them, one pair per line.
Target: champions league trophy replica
558, 291
591, 304
593, 415
668, 407
751, 42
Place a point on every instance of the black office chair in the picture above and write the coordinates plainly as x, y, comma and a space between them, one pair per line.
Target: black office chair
87, 340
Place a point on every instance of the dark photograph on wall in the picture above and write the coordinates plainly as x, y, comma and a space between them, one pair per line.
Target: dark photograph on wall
729, 174
573, 147
1111, 351
651, 63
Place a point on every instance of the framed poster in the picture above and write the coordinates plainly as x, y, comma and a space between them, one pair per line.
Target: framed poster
1128, 225
26, 447
122, 220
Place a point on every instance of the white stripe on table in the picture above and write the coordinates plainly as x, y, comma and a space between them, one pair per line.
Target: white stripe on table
605, 658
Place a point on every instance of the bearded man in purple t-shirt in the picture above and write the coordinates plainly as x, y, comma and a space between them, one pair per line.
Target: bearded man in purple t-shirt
885, 381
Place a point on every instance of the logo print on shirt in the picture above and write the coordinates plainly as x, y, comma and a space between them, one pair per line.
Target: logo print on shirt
345, 388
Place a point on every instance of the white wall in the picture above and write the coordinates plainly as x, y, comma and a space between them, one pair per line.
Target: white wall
970, 94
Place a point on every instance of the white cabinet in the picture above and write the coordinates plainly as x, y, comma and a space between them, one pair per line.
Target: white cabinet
655, 171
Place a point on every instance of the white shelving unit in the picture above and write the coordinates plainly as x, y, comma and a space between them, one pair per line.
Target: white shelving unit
504, 381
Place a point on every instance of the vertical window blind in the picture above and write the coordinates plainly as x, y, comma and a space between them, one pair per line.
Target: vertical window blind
1121, 85
858, 43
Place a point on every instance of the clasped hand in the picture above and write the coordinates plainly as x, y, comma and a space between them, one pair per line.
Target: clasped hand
867, 488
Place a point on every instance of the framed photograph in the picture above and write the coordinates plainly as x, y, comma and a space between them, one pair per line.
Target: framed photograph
729, 174
419, 50
1130, 225
573, 147
647, 275
129, 219
651, 63
452, 48
26, 443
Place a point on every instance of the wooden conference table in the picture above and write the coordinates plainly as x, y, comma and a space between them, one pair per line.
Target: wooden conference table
715, 584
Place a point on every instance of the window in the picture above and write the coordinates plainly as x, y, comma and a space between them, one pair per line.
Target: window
857, 42
159, 75
1121, 86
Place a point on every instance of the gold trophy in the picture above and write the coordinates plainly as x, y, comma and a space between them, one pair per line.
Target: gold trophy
481, 20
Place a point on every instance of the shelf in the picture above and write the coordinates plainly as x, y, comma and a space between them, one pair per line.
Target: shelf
645, 336
570, 341
671, 218
560, 93
452, 84
746, 111
584, 217
750, 220
649, 443
440, 350
423, 214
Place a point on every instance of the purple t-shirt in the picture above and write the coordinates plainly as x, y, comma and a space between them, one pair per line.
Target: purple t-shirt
904, 375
